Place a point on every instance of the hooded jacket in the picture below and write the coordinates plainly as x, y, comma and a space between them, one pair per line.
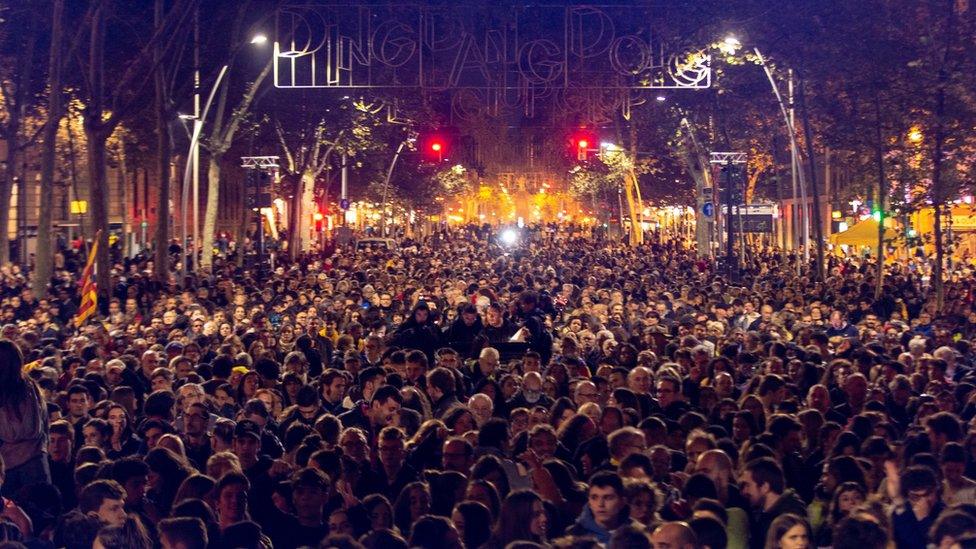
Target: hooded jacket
586, 525
424, 336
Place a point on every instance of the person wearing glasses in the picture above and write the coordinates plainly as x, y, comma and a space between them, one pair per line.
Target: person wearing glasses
921, 505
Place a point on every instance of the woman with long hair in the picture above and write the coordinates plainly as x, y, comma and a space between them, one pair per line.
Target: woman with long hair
123, 441
412, 503
166, 473
561, 411
485, 493
23, 423
490, 468
248, 387
379, 512
473, 523
847, 497
576, 430
789, 532
522, 518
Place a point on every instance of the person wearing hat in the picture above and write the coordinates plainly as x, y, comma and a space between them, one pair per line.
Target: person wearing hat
173, 349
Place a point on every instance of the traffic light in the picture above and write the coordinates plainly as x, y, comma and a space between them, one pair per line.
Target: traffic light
318, 218
434, 147
732, 186
582, 144
437, 148
582, 141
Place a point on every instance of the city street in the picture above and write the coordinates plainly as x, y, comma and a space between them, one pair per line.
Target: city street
681, 275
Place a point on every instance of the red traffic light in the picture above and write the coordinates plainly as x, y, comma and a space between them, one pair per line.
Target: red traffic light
583, 144
437, 145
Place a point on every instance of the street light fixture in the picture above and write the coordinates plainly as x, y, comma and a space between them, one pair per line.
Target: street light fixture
915, 135
259, 39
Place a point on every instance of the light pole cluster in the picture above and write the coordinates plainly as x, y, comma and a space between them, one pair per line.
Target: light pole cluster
731, 43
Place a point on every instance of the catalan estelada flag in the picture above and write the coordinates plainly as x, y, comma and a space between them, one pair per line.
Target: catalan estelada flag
89, 291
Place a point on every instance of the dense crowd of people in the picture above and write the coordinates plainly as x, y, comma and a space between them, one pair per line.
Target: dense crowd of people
452, 392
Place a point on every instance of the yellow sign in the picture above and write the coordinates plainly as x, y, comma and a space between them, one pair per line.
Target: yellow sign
963, 222
79, 207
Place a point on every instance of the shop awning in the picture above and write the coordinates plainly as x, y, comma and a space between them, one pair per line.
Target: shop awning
863, 233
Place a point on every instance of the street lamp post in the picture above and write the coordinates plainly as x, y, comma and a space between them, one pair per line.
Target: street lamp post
794, 155
386, 185
192, 157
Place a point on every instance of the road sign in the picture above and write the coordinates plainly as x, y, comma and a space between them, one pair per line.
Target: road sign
344, 204
755, 218
708, 209
755, 209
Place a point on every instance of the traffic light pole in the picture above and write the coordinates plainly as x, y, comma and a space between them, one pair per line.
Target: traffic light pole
728, 161
729, 242
344, 189
265, 166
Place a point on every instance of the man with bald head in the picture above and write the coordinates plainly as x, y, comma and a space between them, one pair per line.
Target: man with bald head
531, 394
674, 535
717, 465
640, 380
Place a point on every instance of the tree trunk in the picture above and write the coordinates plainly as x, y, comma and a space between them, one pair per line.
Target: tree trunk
879, 153
124, 199
16, 105
938, 153
294, 223
44, 257
699, 173
308, 208
815, 193
938, 198
163, 157
96, 136
210, 215
6, 192
243, 219
98, 195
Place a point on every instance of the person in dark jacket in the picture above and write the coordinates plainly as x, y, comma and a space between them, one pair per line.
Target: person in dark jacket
912, 520
533, 320
441, 388
464, 331
497, 328
762, 483
418, 331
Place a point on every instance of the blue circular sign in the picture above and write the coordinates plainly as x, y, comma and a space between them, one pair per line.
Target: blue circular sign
344, 204
708, 209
